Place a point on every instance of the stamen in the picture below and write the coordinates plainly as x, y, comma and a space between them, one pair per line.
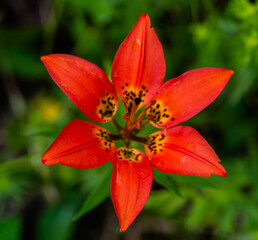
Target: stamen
126, 116
134, 109
124, 100
139, 125
153, 102
130, 113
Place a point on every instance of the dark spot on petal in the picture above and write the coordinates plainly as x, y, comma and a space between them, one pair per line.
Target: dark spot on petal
137, 101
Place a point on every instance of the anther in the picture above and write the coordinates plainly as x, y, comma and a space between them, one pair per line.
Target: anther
126, 116
153, 102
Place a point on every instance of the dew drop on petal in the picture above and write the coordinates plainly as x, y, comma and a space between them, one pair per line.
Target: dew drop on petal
137, 44
165, 131
183, 159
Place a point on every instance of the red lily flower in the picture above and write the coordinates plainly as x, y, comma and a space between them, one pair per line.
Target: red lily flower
137, 74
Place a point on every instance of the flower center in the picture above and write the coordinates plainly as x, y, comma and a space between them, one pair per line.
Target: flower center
131, 124
155, 112
129, 94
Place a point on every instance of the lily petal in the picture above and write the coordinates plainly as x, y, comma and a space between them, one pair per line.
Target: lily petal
139, 65
130, 184
85, 84
81, 144
182, 150
181, 98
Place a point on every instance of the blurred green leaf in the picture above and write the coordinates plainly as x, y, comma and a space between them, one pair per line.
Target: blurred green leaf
165, 181
193, 34
97, 195
210, 182
56, 223
10, 228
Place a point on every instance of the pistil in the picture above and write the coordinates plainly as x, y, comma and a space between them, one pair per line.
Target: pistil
137, 123
130, 124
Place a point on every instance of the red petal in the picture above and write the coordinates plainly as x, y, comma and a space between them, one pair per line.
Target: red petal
81, 145
130, 184
182, 150
181, 98
139, 65
85, 84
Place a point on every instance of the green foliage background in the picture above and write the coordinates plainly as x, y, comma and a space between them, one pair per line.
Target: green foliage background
39, 202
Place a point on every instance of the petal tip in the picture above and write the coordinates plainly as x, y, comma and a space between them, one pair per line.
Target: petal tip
42, 58
145, 19
44, 160
123, 229
224, 173
51, 57
219, 170
145, 15
229, 72
47, 160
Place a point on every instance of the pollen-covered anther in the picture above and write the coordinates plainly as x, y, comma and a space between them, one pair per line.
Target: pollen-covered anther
107, 107
155, 142
105, 137
129, 154
159, 114
153, 102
